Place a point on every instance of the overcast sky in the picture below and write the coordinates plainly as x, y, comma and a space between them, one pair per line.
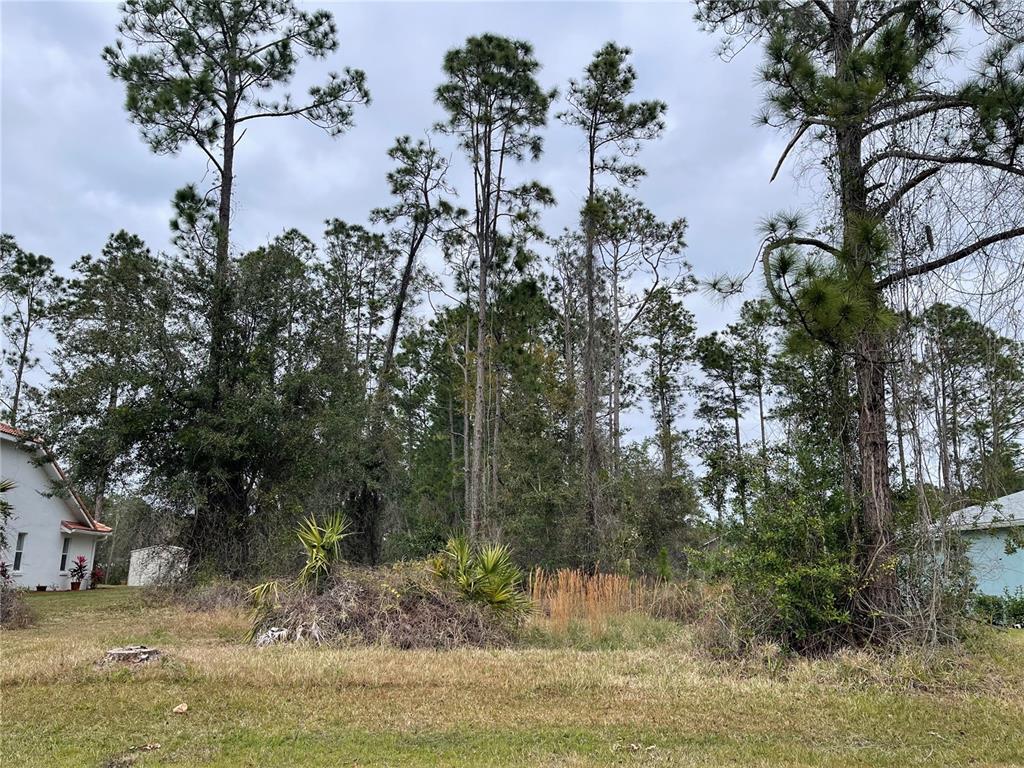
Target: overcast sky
74, 169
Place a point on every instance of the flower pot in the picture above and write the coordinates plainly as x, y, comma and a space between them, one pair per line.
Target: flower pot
75, 586
40, 587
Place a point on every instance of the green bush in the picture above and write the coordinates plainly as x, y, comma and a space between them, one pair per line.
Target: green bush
1002, 611
484, 574
791, 574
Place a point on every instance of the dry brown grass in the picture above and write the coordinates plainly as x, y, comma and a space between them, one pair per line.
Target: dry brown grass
298, 705
573, 599
14, 612
572, 595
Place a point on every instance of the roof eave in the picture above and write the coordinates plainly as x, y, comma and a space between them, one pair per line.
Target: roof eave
993, 525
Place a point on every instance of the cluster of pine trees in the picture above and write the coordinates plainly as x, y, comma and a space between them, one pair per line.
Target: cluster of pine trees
217, 397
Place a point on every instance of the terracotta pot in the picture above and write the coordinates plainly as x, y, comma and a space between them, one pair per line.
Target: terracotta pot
75, 586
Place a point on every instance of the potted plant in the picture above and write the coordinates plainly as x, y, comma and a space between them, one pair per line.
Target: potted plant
78, 571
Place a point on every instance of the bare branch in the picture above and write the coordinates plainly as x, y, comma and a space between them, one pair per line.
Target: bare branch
951, 258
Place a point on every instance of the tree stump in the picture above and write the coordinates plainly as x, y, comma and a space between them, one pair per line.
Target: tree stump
132, 654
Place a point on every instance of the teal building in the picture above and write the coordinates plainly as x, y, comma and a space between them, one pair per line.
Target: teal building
990, 530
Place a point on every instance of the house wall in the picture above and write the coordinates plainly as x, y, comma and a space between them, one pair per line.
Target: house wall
994, 570
38, 516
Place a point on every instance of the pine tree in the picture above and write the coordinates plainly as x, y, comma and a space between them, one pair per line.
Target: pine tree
669, 328
103, 362
858, 79
614, 128
31, 289
495, 106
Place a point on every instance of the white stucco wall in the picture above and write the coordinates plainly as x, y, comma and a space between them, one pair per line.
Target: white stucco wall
38, 516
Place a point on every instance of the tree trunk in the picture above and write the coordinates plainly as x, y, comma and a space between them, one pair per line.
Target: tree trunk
19, 376
665, 421
877, 601
616, 371
479, 412
220, 305
467, 484
453, 522
741, 475
591, 446
897, 410
764, 433
880, 597
570, 368
495, 436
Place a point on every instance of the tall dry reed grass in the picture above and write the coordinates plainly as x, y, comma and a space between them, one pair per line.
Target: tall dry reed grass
571, 596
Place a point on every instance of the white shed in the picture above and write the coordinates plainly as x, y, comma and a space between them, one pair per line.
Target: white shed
161, 564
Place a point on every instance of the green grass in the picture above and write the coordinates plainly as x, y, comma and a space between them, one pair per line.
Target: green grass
581, 704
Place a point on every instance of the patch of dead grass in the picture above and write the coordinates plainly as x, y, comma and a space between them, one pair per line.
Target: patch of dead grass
304, 706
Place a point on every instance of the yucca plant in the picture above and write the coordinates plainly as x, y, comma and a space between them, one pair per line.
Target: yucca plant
322, 542
486, 574
265, 599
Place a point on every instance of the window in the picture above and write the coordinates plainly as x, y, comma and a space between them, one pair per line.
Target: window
18, 550
64, 554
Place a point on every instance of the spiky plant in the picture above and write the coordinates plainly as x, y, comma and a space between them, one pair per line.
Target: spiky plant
265, 600
322, 542
485, 574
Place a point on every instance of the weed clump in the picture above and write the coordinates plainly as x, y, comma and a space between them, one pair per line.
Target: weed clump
14, 613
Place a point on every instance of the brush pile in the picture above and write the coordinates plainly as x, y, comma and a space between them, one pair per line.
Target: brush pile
402, 606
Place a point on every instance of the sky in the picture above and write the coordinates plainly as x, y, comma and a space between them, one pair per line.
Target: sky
73, 169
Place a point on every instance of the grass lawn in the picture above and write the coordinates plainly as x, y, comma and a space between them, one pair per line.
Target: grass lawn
658, 704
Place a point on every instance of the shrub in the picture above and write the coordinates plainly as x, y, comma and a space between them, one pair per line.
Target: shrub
14, 613
1002, 611
97, 577
322, 542
484, 574
791, 575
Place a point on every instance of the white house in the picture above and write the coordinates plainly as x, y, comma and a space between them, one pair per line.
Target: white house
990, 530
45, 532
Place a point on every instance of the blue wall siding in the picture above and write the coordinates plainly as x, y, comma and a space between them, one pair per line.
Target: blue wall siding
994, 570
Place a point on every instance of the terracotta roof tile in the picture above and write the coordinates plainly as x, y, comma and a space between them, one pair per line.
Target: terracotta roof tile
7, 429
71, 525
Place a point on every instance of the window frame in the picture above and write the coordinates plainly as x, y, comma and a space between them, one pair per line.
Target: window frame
65, 550
19, 551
